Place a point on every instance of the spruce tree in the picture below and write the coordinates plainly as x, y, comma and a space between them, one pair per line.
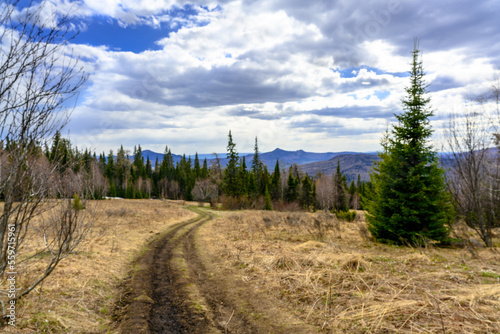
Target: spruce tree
267, 196
291, 193
243, 177
306, 198
408, 201
340, 185
204, 169
110, 167
257, 169
231, 171
256, 163
197, 168
149, 168
275, 181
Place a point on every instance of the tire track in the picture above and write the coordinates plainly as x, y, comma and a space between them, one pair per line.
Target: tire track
215, 294
153, 300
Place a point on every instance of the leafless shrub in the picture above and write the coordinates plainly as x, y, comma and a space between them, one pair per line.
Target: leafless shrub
62, 229
474, 179
205, 191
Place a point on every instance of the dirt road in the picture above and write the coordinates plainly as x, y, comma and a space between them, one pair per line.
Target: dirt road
169, 290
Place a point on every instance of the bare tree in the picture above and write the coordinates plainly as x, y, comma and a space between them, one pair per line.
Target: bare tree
163, 185
39, 77
474, 176
216, 169
95, 182
147, 187
174, 189
205, 190
324, 192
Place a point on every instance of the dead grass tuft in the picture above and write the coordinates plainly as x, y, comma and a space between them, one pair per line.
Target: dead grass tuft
284, 263
355, 264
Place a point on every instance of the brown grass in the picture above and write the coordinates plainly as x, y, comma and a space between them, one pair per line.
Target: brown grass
327, 274
286, 272
80, 295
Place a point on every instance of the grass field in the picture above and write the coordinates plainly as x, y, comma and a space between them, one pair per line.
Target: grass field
284, 272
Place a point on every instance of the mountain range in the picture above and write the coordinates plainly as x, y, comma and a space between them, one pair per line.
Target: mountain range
351, 163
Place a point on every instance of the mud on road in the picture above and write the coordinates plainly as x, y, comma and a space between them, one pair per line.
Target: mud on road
169, 290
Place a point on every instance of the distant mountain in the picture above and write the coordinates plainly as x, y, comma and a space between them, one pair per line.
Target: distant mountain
153, 155
351, 165
287, 158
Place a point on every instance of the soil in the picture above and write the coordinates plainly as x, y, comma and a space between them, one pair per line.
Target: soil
155, 297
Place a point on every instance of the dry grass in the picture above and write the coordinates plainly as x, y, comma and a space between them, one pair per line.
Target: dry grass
301, 272
80, 295
327, 274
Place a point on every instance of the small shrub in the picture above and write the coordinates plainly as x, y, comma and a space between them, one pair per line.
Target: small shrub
77, 204
348, 216
235, 203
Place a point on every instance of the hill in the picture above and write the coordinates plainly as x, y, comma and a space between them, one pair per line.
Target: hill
153, 156
299, 157
286, 158
350, 164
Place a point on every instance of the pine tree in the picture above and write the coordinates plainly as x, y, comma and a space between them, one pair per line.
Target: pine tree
110, 167
291, 193
231, 171
256, 163
267, 205
408, 201
122, 171
257, 169
139, 163
275, 182
197, 168
149, 168
306, 198
204, 169
340, 194
243, 177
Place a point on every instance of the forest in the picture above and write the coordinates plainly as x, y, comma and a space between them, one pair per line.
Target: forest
240, 184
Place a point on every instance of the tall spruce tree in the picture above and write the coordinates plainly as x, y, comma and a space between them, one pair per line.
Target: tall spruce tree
341, 202
291, 192
275, 182
197, 168
231, 172
408, 201
257, 169
306, 196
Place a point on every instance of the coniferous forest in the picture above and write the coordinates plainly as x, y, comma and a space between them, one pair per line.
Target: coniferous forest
237, 185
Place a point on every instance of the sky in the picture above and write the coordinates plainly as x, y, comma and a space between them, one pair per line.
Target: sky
318, 75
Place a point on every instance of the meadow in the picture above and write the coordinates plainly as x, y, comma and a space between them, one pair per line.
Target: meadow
278, 272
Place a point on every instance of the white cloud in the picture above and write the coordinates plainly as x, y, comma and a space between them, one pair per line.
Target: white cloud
271, 69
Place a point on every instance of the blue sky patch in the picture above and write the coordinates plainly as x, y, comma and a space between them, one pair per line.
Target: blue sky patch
134, 38
352, 72
382, 95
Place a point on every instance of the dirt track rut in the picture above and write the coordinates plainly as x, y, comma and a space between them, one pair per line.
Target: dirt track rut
155, 298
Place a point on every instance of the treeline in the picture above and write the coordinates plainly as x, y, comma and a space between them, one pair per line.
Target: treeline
240, 184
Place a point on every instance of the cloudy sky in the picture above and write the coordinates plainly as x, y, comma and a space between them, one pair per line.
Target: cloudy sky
318, 75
